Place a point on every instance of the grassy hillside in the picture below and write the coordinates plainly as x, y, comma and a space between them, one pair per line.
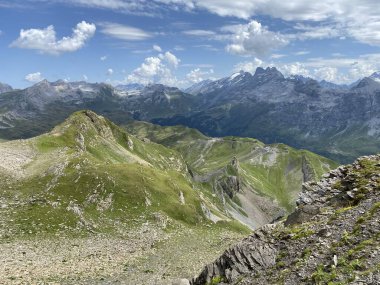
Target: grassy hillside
272, 174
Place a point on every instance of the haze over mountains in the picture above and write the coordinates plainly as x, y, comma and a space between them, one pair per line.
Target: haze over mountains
338, 121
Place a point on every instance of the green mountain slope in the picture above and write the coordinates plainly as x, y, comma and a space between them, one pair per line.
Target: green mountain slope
88, 183
256, 182
91, 203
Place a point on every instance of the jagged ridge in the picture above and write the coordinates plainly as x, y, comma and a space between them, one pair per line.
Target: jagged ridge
331, 238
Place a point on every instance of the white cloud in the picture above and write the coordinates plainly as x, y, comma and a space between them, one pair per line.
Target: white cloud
124, 32
45, 41
156, 70
249, 66
326, 73
199, 33
85, 77
170, 58
302, 52
254, 39
295, 68
197, 75
179, 48
34, 77
277, 56
110, 71
157, 48
103, 58
317, 32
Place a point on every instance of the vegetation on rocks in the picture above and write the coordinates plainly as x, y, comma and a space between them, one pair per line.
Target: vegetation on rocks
331, 238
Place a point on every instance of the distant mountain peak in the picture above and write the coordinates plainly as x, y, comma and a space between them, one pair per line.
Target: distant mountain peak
270, 73
375, 76
5, 88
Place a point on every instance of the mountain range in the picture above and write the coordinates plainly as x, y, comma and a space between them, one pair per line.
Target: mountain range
340, 122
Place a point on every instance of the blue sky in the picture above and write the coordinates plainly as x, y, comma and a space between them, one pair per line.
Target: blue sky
178, 42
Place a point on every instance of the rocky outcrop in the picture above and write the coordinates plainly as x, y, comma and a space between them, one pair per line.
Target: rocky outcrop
332, 236
229, 182
253, 254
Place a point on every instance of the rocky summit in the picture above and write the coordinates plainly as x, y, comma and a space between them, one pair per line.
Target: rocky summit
331, 238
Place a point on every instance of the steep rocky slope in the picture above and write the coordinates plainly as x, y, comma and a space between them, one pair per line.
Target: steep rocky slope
255, 182
332, 237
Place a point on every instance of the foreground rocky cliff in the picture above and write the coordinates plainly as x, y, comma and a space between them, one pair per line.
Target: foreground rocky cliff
332, 237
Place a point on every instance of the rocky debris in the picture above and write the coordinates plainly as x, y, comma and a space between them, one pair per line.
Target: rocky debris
181, 282
253, 253
15, 155
332, 237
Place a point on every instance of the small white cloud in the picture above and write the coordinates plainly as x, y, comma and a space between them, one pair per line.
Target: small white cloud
45, 41
277, 56
170, 58
197, 75
124, 32
34, 77
302, 52
156, 70
295, 68
179, 48
103, 58
157, 48
110, 71
249, 66
199, 33
254, 39
85, 78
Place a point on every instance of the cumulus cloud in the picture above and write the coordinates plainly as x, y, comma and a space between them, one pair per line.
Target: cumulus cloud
295, 68
170, 58
124, 32
103, 58
197, 75
157, 69
254, 39
45, 40
34, 77
110, 71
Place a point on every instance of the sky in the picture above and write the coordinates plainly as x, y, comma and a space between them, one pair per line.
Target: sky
182, 42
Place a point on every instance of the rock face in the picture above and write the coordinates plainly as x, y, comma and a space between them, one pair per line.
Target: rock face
251, 255
332, 237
